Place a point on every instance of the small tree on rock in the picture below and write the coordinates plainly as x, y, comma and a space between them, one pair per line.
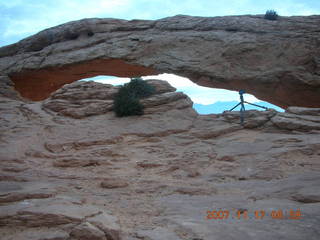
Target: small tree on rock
140, 88
271, 15
126, 101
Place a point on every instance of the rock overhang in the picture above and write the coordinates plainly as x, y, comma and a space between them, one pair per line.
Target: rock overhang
56, 77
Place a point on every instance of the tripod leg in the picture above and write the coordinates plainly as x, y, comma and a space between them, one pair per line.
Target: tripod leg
242, 111
242, 115
257, 105
235, 106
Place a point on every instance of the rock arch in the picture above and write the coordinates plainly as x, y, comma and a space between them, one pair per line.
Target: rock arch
277, 61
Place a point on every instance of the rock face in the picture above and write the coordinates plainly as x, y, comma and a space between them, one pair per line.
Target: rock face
277, 61
71, 170
83, 99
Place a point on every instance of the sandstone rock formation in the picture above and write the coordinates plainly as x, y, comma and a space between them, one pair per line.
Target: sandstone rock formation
70, 172
277, 61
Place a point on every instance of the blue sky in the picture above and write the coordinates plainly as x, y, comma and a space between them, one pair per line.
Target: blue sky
22, 18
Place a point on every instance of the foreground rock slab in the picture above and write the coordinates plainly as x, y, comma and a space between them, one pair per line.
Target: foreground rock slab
155, 176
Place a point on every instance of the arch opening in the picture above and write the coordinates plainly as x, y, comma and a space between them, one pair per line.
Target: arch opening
38, 84
206, 100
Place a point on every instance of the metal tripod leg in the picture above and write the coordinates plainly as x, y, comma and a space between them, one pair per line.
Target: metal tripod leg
235, 106
242, 111
257, 105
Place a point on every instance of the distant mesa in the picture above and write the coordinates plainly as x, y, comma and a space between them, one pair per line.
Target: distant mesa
220, 107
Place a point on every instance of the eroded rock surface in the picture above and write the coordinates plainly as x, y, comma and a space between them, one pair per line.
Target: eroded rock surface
83, 99
277, 61
155, 176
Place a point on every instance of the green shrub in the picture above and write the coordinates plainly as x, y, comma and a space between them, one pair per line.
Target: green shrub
126, 104
271, 15
126, 101
140, 88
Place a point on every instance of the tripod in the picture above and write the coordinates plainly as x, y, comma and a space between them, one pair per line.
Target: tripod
242, 108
